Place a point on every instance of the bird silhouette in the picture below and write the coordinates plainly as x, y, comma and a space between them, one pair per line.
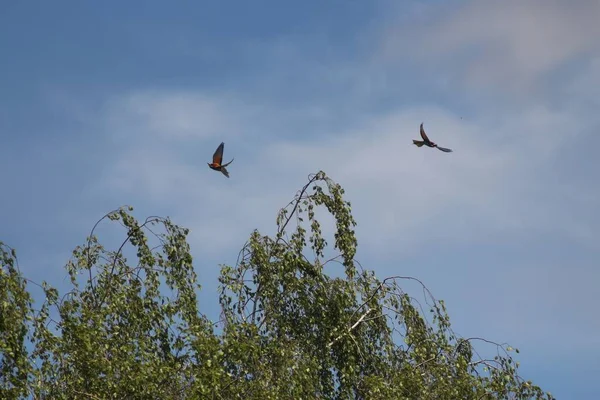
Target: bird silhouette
218, 159
428, 142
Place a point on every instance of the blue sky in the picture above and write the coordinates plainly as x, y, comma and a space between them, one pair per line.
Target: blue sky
119, 103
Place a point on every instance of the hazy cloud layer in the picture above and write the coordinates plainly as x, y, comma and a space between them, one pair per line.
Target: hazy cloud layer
498, 175
507, 45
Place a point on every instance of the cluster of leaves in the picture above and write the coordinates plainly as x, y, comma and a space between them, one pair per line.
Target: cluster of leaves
289, 330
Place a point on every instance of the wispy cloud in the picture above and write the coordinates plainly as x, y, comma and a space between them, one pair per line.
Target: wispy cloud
172, 116
504, 44
402, 191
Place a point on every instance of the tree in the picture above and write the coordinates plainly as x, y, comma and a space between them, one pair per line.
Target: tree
289, 330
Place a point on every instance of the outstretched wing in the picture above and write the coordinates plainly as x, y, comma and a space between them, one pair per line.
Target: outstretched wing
218, 156
423, 135
445, 150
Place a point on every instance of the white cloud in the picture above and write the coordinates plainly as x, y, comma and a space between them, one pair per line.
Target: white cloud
170, 116
399, 191
509, 44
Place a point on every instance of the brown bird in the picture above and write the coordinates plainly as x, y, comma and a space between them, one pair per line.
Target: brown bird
428, 142
218, 159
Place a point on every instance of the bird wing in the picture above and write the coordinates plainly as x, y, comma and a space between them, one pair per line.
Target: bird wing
423, 135
218, 156
445, 150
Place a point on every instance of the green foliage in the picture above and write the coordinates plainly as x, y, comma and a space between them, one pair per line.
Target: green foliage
289, 329
15, 312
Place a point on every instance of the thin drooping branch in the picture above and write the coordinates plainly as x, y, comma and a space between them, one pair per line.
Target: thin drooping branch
296, 202
147, 222
281, 230
88, 249
350, 329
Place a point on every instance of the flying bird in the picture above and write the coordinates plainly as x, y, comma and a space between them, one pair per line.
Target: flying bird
428, 142
218, 159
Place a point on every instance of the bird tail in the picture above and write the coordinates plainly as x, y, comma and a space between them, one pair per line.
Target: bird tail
418, 143
224, 171
224, 165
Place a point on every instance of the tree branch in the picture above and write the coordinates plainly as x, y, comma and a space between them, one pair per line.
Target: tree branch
351, 328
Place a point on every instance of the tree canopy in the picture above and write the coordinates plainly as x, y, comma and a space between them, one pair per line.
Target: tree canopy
131, 327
